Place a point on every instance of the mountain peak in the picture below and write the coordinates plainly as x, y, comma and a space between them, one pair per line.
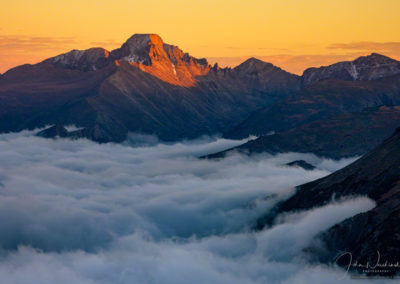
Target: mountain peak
377, 54
140, 41
364, 68
84, 60
254, 61
374, 58
254, 65
140, 48
151, 37
149, 53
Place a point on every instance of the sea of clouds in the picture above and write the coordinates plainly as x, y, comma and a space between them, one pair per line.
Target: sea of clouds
148, 212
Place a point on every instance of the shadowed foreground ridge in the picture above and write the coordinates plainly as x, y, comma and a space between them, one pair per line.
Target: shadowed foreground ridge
341, 136
376, 175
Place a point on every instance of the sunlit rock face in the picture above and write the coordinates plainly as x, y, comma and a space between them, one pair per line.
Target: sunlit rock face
150, 54
147, 52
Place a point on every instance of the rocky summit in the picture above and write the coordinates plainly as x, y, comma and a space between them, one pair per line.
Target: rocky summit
364, 68
147, 52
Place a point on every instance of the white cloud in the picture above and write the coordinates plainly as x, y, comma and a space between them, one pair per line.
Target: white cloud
80, 212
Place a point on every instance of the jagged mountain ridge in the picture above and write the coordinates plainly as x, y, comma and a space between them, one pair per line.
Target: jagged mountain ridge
152, 87
145, 86
147, 52
303, 121
326, 96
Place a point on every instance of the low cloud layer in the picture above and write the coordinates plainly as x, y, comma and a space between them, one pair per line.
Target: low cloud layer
80, 212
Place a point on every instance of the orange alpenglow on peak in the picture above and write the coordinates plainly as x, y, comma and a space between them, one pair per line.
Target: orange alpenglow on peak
106, 53
147, 52
150, 54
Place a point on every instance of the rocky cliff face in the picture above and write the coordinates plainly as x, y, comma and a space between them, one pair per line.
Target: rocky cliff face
150, 54
147, 52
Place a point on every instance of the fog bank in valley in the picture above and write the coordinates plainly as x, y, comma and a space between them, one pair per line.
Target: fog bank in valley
148, 212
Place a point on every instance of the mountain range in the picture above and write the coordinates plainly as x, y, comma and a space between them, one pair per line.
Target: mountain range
338, 116
151, 87
144, 86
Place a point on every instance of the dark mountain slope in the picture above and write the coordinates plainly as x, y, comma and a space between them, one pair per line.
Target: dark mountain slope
33, 95
330, 117
371, 175
321, 100
339, 136
376, 175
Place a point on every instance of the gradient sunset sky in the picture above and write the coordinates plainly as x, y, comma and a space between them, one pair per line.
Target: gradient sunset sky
293, 34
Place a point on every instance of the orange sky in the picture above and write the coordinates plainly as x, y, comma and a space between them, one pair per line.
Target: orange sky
293, 34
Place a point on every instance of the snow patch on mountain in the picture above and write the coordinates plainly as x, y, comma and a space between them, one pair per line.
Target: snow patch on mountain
353, 71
